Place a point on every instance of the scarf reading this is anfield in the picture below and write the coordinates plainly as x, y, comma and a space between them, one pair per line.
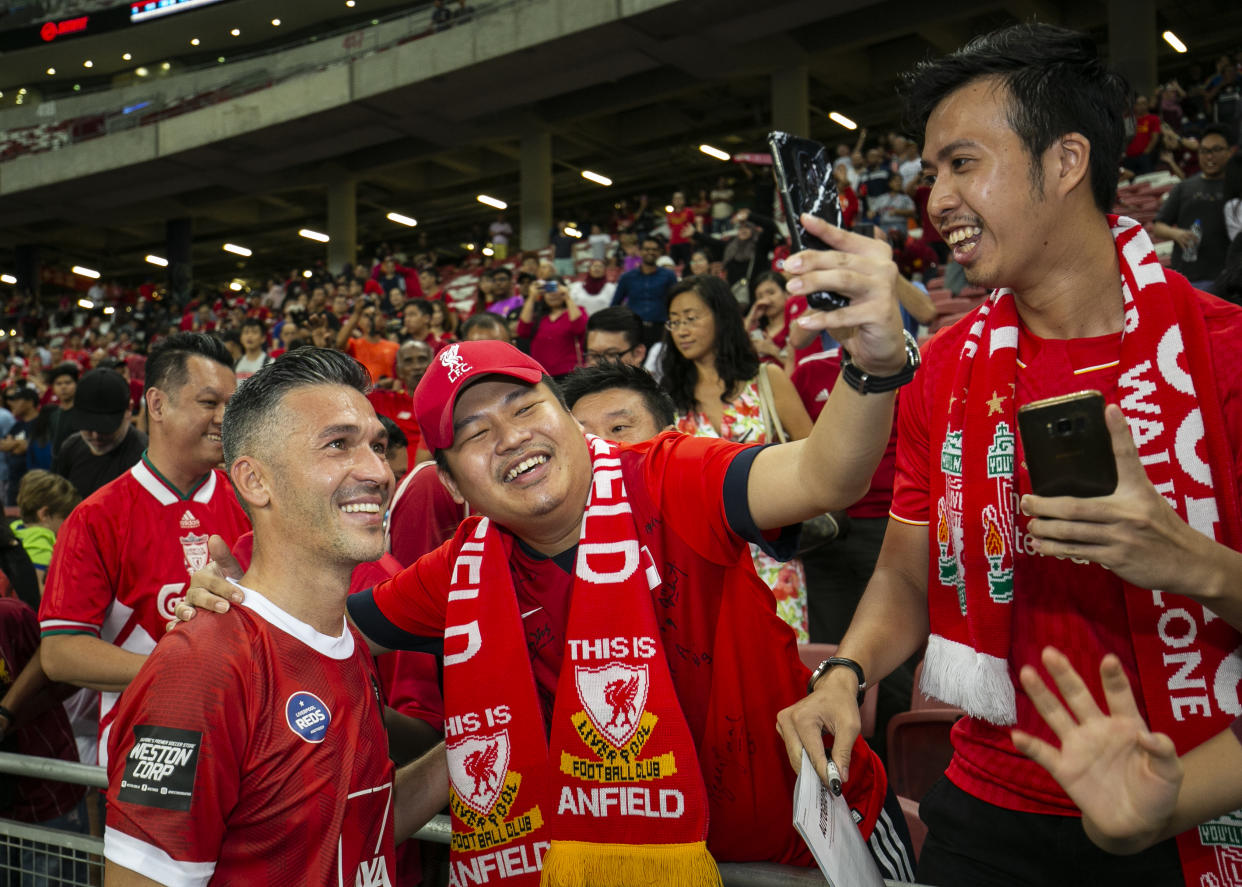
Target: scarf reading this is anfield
616, 797
1166, 391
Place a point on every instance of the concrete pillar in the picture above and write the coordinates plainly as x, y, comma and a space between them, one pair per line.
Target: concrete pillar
178, 244
1132, 40
536, 188
26, 268
791, 102
342, 224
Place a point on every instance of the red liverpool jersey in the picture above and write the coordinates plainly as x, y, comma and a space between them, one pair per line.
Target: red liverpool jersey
268, 766
123, 558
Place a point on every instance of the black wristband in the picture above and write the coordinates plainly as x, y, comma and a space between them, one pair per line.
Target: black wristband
4, 712
831, 662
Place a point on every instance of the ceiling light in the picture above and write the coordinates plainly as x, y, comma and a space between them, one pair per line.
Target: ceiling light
1174, 41
488, 251
109, 310
141, 72
7, 278
349, 3
88, 64
86, 303
236, 32
86, 272
195, 42
22, 91
492, 201
715, 152
572, 231
236, 250
77, 87
313, 235
402, 220
275, 23
668, 207
158, 260
836, 117
51, 71
126, 57
235, 286
220, 59
596, 178
307, 273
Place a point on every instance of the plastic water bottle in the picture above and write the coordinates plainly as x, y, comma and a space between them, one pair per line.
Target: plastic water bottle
1190, 253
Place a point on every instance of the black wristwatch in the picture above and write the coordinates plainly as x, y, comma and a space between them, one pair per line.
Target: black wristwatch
832, 662
865, 383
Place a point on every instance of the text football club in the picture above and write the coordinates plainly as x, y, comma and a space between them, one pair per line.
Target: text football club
484, 792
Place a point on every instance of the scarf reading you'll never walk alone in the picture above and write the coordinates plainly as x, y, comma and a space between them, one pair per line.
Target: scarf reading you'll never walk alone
1188, 665
616, 796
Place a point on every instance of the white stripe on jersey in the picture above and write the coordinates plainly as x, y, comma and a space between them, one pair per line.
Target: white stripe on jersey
152, 862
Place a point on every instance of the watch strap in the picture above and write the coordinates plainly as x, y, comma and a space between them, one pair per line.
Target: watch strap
832, 662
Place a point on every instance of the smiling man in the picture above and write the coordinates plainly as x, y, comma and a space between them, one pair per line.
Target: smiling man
1023, 129
124, 555
271, 762
612, 663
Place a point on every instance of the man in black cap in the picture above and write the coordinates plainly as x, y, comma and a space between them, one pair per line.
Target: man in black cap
105, 444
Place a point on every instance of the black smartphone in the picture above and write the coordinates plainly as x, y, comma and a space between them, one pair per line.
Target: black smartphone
803, 171
1067, 446
866, 229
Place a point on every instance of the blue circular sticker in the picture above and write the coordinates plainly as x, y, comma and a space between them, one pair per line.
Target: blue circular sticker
308, 716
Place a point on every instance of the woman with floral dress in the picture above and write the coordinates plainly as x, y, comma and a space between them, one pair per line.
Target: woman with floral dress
712, 372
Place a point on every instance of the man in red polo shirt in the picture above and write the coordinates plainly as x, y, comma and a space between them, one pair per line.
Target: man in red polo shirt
397, 403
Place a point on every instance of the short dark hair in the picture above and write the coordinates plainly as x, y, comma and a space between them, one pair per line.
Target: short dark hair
396, 437
68, 368
422, 305
253, 408
23, 391
484, 319
1219, 129
617, 319
253, 322
167, 359
1056, 84
614, 374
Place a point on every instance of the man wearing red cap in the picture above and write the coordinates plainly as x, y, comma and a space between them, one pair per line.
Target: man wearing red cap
613, 665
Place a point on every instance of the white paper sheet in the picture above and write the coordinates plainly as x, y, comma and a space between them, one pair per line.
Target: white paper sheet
826, 824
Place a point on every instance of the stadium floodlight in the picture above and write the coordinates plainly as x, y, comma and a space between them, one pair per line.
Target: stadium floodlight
572, 231
86, 272
86, 303
109, 310
1174, 41
400, 219
158, 260
711, 151
488, 251
235, 286
596, 178
842, 120
492, 201
313, 235
8, 278
237, 250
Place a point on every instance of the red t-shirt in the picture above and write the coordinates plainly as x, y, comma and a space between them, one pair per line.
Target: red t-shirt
123, 558
814, 377
556, 344
1146, 128
424, 515
849, 206
714, 614
794, 306
398, 406
1089, 598
680, 226
270, 765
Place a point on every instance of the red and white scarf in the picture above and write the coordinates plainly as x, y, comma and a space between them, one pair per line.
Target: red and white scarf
616, 796
1166, 391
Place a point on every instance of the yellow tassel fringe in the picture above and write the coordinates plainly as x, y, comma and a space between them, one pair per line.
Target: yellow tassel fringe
579, 864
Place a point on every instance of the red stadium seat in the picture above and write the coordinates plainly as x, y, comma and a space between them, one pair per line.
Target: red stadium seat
918, 831
919, 749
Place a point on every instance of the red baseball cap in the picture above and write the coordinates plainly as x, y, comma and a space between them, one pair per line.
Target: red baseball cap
452, 370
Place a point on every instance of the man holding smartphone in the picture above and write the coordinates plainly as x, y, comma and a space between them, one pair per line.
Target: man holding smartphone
1022, 130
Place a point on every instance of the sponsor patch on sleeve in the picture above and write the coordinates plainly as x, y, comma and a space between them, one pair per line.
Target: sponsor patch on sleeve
160, 768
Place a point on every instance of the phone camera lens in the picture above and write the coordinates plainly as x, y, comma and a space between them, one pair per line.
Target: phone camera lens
1064, 427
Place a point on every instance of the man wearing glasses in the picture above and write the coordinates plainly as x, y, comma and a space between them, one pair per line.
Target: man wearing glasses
1193, 216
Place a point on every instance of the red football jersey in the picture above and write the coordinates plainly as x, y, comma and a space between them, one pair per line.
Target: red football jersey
269, 766
123, 557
